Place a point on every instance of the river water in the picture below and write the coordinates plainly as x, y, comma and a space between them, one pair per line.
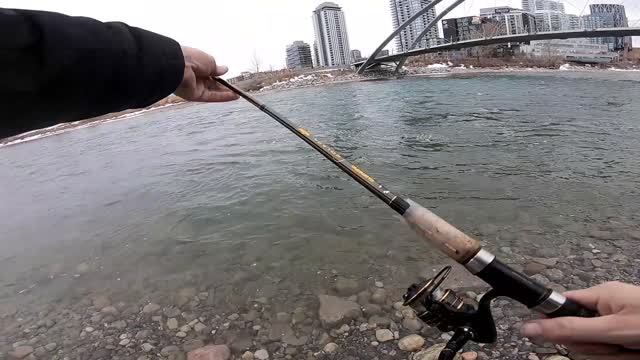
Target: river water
218, 196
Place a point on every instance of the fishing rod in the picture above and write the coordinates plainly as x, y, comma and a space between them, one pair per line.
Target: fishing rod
444, 308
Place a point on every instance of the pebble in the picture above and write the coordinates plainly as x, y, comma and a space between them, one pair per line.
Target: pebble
261, 354
169, 350
185, 328
433, 353
210, 352
181, 334
248, 355
379, 284
146, 347
334, 311
120, 324
411, 343
330, 348
372, 309
540, 279
150, 308
534, 268
89, 329
557, 357
233, 317
384, 335
51, 346
533, 357
379, 320
192, 344
21, 351
171, 312
172, 324
109, 310
596, 263
101, 301
412, 325
554, 274
346, 287
124, 342
142, 334
199, 327
375, 343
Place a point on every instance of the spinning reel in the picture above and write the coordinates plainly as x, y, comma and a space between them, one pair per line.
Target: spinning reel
447, 311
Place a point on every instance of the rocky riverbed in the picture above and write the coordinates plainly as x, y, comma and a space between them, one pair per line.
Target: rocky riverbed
350, 320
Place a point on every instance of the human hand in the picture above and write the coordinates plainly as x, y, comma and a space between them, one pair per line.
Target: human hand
613, 335
197, 83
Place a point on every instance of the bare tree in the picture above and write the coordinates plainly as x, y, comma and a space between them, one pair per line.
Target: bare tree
256, 62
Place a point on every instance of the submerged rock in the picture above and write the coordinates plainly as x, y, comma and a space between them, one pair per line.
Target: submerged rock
384, 335
335, 311
330, 348
411, 343
346, 287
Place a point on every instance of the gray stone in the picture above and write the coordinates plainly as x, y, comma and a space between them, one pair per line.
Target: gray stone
346, 287
199, 327
378, 296
330, 348
169, 350
171, 311
534, 268
554, 274
364, 297
150, 308
120, 324
181, 334
109, 310
248, 355
233, 317
124, 342
550, 262
379, 320
146, 347
540, 279
185, 295
277, 331
411, 343
543, 350
242, 342
335, 311
283, 317
596, 263
172, 324
192, 344
251, 315
51, 346
40, 351
142, 334
433, 353
384, 335
372, 309
412, 325
261, 354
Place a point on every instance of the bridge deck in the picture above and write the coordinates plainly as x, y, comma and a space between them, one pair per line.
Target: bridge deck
519, 38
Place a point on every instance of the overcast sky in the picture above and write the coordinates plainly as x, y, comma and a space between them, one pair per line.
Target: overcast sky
232, 30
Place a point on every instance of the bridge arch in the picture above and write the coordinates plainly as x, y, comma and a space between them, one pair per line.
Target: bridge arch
397, 31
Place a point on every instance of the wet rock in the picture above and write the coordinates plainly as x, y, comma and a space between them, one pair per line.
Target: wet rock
172, 324
192, 344
324, 339
124, 342
384, 335
379, 320
277, 331
51, 346
411, 343
334, 311
146, 347
546, 252
150, 308
298, 316
200, 327
432, 353
89, 329
346, 287
372, 309
120, 324
111, 310
534, 268
261, 354
554, 274
171, 312
290, 338
379, 296
185, 328
330, 348
142, 334
549, 262
557, 357
21, 351
169, 350
540, 279
40, 351
252, 315
184, 296
181, 334
82, 268
101, 301
233, 317
596, 263
599, 234
413, 325
364, 297
248, 355
211, 352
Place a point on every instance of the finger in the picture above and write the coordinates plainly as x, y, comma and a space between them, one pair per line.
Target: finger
604, 329
220, 70
218, 96
601, 297
621, 356
593, 349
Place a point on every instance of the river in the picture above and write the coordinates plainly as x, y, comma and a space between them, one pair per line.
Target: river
220, 198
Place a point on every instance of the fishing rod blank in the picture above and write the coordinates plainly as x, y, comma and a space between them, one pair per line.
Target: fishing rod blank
448, 239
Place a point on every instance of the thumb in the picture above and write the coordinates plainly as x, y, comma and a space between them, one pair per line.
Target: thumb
574, 330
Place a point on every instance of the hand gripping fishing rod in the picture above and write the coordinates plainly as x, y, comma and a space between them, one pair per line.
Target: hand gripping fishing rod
444, 308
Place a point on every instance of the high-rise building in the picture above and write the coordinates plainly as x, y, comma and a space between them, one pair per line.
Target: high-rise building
401, 11
610, 16
355, 55
510, 21
550, 15
299, 55
332, 40
316, 55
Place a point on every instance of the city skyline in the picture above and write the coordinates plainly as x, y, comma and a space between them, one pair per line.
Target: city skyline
233, 31
331, 37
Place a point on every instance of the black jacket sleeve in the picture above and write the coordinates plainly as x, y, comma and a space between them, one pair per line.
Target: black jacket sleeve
56, 68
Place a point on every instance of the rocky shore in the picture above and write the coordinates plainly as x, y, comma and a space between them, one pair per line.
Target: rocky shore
353, 319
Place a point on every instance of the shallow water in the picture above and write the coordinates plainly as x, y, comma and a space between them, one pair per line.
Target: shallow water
219, 196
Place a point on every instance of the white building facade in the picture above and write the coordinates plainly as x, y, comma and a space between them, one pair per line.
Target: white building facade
331, 39
401, 11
